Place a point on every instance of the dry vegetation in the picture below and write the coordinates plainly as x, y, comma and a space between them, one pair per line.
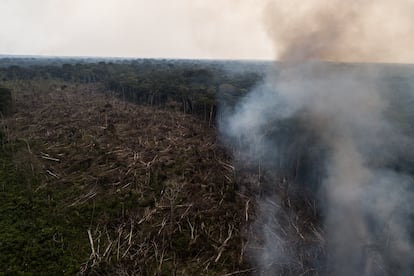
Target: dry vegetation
151, 190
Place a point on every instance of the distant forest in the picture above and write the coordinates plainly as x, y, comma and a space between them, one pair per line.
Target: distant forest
194, 87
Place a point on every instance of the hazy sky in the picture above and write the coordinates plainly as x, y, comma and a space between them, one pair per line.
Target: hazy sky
134, 28
337, 30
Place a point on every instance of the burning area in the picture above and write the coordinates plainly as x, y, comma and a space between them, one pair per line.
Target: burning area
326, 147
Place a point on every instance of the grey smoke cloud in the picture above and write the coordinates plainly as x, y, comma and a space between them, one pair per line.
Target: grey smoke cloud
335, 30
330, 124
364, 200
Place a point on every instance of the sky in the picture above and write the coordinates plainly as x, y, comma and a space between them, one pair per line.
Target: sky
333, 30
212, 29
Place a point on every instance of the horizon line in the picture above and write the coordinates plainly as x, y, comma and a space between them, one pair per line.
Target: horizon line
189, 58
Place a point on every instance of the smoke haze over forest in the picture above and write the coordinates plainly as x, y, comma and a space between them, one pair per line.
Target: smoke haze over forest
320, 142
360, 192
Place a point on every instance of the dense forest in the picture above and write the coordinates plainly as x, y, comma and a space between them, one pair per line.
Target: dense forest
191, 86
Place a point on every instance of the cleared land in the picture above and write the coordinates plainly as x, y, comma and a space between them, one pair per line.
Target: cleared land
92, 184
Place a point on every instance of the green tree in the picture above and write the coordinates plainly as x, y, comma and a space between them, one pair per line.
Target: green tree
5, 101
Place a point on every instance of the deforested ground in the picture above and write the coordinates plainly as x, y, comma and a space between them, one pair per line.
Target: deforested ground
95, 185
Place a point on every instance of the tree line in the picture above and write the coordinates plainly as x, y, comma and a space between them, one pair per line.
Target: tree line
194, 87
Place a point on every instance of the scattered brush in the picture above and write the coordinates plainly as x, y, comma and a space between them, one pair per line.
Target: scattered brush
157, 188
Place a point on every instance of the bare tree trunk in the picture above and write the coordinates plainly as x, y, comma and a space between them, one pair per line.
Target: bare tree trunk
211, 115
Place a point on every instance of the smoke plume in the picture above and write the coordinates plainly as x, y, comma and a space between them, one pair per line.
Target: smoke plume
331, 142
335, 30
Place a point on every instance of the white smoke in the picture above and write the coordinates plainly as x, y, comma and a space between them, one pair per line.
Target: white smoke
334, 153
363, 200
